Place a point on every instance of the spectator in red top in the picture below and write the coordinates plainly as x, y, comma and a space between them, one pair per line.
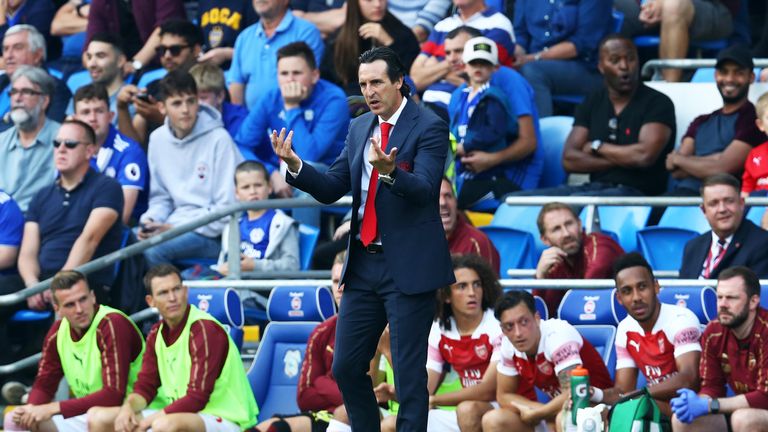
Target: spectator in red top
572, 254
733, 353
754, 180
463, 238
118, 340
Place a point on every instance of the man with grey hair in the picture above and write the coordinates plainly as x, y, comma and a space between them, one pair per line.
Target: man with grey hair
27, 162
23, 45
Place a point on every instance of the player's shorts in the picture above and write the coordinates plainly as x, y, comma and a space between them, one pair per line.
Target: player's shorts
72, 424
212, 423
440, 420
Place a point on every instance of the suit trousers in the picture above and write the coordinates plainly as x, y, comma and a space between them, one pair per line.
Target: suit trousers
370, 301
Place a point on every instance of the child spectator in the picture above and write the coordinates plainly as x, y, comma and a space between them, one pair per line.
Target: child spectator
754, 181
269, 239
476, 111
212, 90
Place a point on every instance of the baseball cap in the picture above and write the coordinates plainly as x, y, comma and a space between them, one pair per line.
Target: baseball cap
739, 54
481, 48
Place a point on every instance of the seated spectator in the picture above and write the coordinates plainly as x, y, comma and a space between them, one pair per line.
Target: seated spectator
34, 13
138, 22
69, 24
23, 45
463, 238
27, 162
571, 253
754, 180
11, 230
192, 160
431, 72
206, 387
556, 46
221, 22
419, 15
212, 90
269, 239
677, 22
117, 156
482, 120
254, 64
72, 220
96, 348
326, 15
313, 108
623, 153
367, 24
719, 141
178, 49
318, 396
732, 354
733, 240
659, 340
541, 354
466, 337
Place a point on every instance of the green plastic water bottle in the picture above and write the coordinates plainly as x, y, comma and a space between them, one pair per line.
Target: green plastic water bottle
579, 391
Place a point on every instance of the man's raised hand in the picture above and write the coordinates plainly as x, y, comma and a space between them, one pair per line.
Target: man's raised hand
383, 162
281, 144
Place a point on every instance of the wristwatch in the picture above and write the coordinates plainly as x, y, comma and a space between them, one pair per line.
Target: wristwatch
137, 65
714, 406
388, 178
596, 144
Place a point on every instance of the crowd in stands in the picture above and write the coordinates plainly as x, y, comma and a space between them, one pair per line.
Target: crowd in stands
120, 120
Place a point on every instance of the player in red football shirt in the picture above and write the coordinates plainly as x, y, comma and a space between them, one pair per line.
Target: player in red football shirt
541, 354
660, 340
734, 352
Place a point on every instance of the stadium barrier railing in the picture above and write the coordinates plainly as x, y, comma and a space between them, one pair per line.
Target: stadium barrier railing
653, 67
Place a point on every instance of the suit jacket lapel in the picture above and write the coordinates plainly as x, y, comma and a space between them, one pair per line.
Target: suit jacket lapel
361, 136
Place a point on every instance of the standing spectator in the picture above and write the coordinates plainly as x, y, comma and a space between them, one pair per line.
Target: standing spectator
326, 15
70, 23
117, 156
35, 13
73, 220
733, 239
556, 48
212, 90
221, 22
27, 162
137, 21
192, 162
420, 15
677, 22
254, 63
23, 45
571, 253
368, 24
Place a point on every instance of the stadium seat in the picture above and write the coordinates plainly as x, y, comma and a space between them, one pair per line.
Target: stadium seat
686, 217
764, 296
624, 221
602, 338
522, 218
663, 246
554, 131
755, 214
151, 75
516, 248
541, 307
224, 305
294, 312
591, 307
702, 301
307, 240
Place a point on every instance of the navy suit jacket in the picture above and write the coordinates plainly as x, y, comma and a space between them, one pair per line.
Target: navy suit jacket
749, 247
412, 235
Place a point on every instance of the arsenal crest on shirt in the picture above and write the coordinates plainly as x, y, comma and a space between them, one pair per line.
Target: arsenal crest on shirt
481, 351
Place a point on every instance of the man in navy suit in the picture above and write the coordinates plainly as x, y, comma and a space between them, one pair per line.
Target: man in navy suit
398, 256
733, 240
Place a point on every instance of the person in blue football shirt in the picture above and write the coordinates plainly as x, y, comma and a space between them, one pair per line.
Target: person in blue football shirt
11, 230
118, 156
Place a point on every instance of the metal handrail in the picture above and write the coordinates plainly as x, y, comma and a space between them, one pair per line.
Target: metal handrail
621, 201
656, 64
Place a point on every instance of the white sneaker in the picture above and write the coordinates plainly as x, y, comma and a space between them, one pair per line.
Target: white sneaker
14, 392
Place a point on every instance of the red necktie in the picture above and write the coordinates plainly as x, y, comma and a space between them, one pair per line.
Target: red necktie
711, 264
368, 228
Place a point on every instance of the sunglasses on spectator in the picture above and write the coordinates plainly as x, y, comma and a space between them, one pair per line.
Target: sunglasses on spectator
173, 49
70, 144
26, 92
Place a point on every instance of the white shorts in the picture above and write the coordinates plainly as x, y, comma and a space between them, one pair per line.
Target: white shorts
444, 420
212, 423
72, 424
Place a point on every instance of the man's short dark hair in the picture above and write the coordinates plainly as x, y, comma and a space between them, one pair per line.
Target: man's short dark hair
550, 207
183, 28
511, 299
160, 270
470, 31
488, 279
176, 82
720, 179
751, 281
395, 68
298, 49
90, 92
112, 39
90, 135
615, 36
66, 279
630, 260
250, 166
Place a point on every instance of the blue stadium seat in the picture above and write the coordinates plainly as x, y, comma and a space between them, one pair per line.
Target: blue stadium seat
554, 131
591, 307
151, 75
663, 246
307, 240
294, 312
755, 214
522, 218
224, 305
541, 307
516, 248
624, 221
686, 217
602, 338
700, 300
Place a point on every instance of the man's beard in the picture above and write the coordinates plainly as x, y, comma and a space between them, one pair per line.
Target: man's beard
26, 119
738, 319
743, 92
